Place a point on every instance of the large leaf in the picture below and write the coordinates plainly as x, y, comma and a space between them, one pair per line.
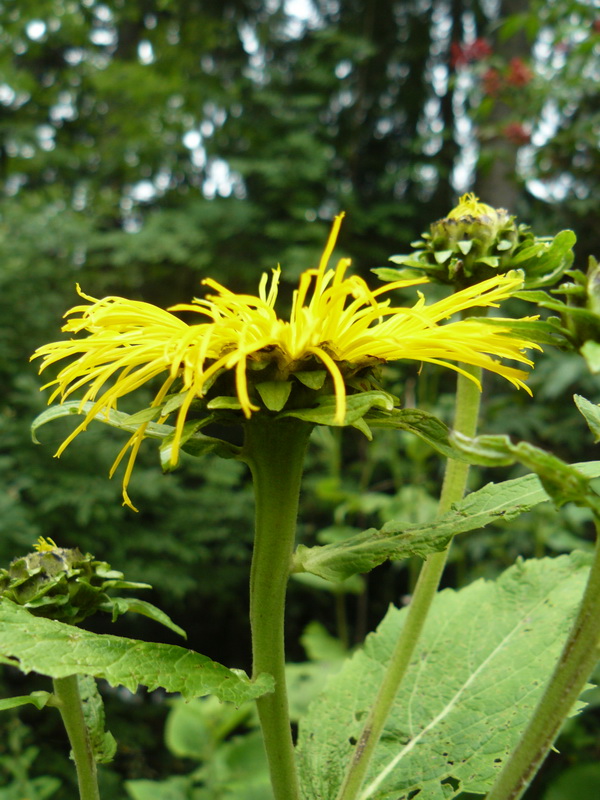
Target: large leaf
57, 650
396, 540
474, 679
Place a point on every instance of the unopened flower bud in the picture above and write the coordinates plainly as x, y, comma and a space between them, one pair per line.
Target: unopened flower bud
60, 583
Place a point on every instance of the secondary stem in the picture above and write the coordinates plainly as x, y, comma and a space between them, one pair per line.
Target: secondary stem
66, 691
455, 479
274, 451
578, 658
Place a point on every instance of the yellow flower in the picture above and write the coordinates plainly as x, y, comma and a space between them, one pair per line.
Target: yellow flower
45, 545
469, 205
336, 322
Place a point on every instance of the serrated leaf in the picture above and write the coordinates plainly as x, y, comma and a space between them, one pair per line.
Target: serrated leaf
37, 699
58, 650
450, 730
274, 394
493, 503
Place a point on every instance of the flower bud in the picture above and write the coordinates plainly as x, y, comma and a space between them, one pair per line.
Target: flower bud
475, 242
60, 583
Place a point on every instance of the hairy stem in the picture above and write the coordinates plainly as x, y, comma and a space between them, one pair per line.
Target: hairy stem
274, 450
68, 702
455, 479
579, 656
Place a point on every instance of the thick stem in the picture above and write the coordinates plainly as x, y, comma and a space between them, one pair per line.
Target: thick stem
455, 479
579, 656
274, 450
66, 691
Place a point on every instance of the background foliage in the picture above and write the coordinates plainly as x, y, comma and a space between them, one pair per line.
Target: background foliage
147, 144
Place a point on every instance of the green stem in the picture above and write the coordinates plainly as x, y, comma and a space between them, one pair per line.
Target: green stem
274, 451
578, 658
66, 691
455, 479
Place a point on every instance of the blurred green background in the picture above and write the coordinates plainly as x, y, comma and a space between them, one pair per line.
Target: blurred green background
147, 144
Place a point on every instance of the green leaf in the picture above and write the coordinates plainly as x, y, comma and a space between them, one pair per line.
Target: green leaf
195, 727
388, 274
563, 482
121, 605
223, 402
467, 695
314, 379
423, 424
274, 394
37, 699
357, 406
441, 256
543, 331
578, 781
145, 415
590, 350
192, 442
102, 742
591, 413
57, 650
117, 419
493, 503
175, 788
489, 261
195, 444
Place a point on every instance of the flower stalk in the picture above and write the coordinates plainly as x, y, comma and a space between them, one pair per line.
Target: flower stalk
68, 702
455, 478
274, 451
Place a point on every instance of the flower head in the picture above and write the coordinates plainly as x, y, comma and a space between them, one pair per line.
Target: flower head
338, 331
